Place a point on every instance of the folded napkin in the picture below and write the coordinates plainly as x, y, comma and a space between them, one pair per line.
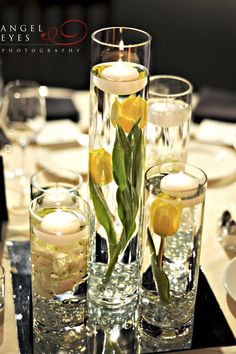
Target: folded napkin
211, 131
61, 108
62, 131
217, 104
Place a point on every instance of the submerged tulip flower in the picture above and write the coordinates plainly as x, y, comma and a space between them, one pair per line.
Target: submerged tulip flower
100, 166
165, 215
127, 113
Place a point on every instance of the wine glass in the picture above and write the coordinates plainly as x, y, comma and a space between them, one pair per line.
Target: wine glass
227, 219
23, 115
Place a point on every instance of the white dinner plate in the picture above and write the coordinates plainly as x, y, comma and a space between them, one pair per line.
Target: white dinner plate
229, 278
216, 161
73, 158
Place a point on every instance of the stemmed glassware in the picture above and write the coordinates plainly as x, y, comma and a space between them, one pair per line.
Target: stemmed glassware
227, 222
23, 114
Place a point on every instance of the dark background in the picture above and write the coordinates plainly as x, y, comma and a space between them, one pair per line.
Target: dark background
192, 38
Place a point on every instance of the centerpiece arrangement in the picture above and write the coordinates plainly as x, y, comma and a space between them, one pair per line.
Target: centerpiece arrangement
118, 116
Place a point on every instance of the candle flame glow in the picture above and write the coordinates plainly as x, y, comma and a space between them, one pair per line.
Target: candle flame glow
121, 45
121, 49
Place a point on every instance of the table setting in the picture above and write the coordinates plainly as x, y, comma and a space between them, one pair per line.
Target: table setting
126, 208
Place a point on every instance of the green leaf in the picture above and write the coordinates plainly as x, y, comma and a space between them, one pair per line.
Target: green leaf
163, 285
121, 210
118, 164
121, 156
133, 132
124, 142
135, 199
126, 150
138, 161
136, 141
103, 214
160, 277
128, 201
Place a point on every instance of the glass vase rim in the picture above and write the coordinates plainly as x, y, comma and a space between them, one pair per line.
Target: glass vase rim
76, 174
173, 77
57, 205
141, 44
183, 164
15, 86
23, 83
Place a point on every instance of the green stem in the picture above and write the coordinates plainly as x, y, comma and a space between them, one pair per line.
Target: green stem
160, 278
121, 245
161, 253
110, 346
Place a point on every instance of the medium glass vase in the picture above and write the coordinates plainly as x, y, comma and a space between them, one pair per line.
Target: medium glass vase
118, 117
172, 231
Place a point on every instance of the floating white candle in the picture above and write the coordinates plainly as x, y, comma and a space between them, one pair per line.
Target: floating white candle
60, 221
56, 194
61, 228
120, 78
181, 185
120, 72
168, 113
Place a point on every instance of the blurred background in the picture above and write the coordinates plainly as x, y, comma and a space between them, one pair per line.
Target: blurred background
194, 39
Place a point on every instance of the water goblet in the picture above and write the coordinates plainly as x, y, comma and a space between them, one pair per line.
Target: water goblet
23, 114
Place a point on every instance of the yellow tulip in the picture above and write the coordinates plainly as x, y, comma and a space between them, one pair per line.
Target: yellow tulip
100, 166
127, 113
165, 215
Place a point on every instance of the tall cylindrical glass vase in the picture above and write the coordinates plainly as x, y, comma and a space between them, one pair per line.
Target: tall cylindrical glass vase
118, 116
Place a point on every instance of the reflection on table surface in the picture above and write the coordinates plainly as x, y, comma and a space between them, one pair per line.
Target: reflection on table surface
104, 329
106, 332
214, 260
